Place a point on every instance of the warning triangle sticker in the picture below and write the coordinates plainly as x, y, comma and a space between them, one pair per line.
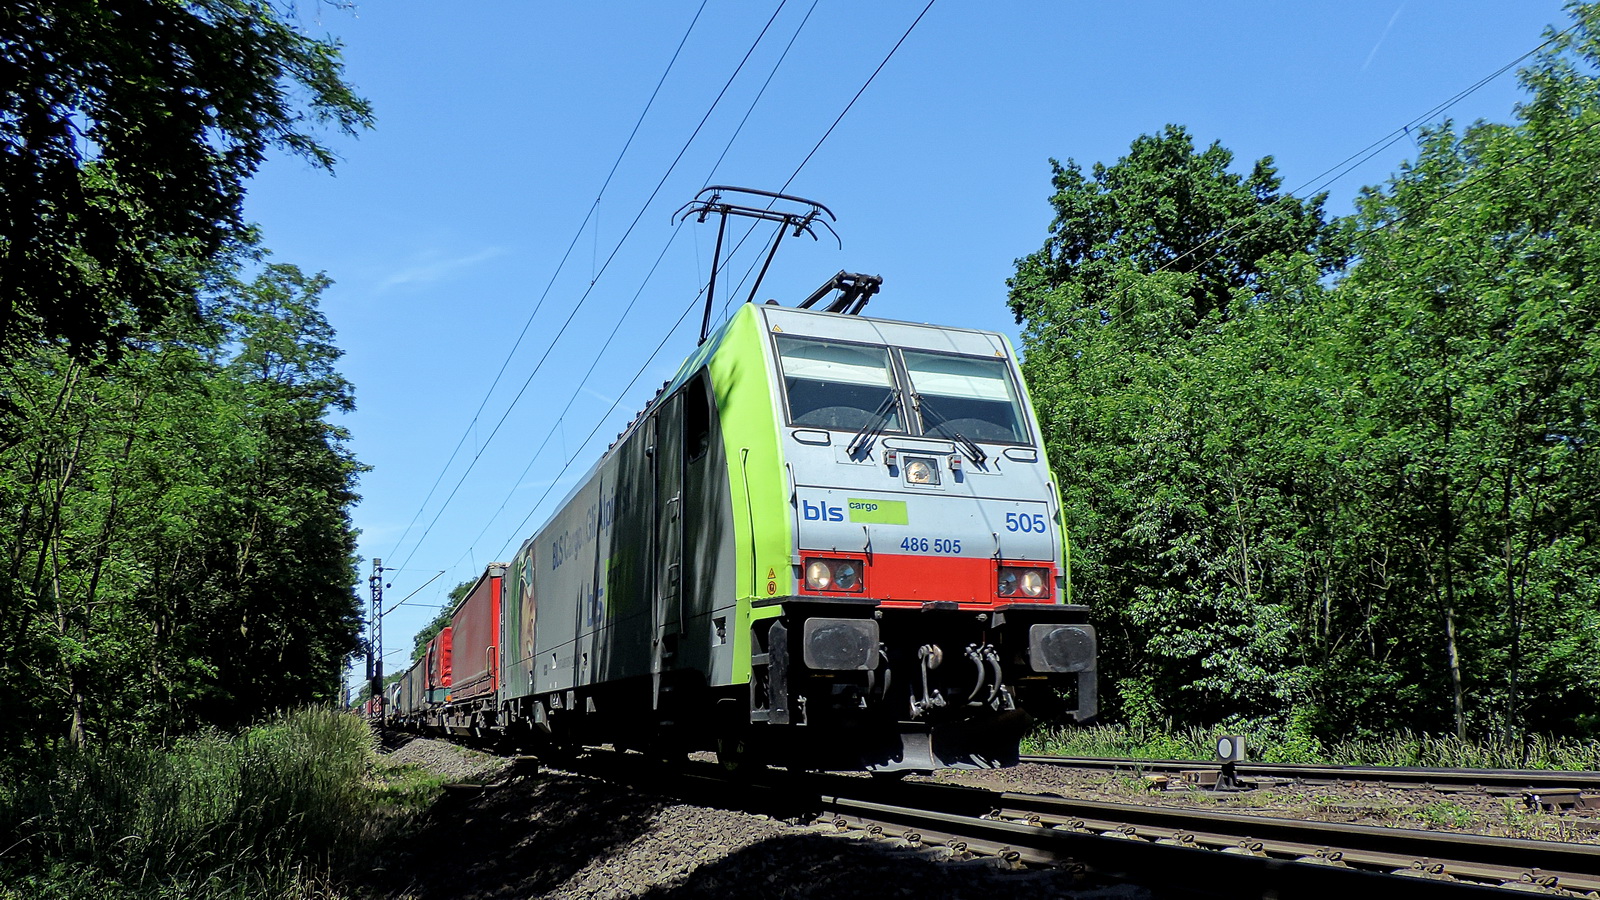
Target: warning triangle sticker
772, 573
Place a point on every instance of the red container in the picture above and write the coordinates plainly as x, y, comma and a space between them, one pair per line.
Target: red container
439, 665
476, 643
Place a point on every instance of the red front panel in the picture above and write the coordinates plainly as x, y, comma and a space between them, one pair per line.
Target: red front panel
476, 641
904, 579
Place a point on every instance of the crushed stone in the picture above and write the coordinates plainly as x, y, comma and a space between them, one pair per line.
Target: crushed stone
531, 834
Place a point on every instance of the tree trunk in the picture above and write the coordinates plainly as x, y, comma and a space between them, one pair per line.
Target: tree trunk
1457, 704
1514, 613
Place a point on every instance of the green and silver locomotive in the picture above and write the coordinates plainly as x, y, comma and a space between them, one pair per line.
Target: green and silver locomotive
830, 540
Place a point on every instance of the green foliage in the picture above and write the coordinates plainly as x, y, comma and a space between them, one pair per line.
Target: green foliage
1276, 745
1450, 752
175, 543
1336, 479
270, 812
130, 130
1298, 742
1143, 366
1165, 208
1121, 742
1445, 814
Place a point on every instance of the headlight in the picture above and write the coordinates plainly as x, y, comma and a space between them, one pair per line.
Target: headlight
1033, 582
921, 471
1008, 582
1025, 582
833, 575
819, 575
846, 577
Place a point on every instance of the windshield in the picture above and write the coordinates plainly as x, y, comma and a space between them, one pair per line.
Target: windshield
833, 385
964, 395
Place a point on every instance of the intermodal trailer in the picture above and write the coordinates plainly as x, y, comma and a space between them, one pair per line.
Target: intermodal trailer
437, 664
474, 656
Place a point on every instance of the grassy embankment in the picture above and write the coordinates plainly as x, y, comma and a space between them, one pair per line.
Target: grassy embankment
278, 811
1405, 749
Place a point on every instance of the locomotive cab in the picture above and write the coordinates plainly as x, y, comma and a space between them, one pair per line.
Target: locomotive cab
928, 564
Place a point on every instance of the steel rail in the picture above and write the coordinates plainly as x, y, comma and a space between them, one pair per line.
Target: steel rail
1172, 865
1139, 843
1532, 780
1578, 863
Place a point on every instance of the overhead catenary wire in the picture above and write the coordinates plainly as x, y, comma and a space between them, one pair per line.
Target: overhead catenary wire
759, 94
556, 479
413, 593
606, 344
593, 207
693, 303
582, 382
866, 84
588, 291
1342, 169
1428, 206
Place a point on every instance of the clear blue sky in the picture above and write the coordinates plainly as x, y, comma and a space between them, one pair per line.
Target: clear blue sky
497, 124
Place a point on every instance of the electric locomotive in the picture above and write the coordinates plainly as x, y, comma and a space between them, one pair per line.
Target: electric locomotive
830, 538
830, 541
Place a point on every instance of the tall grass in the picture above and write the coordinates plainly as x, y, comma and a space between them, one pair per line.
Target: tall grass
267, 813
1121, 741
1536, 751
1271, 745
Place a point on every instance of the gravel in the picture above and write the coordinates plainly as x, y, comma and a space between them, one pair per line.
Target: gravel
530, 834
524, 833
441, 757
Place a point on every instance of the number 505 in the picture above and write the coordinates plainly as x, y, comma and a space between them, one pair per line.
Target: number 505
1025, 522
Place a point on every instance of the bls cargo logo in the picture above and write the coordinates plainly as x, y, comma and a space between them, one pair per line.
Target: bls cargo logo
821, 511
866, 510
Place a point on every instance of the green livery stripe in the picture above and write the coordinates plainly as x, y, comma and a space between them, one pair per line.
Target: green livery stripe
1063, 590
763, 537
877, 512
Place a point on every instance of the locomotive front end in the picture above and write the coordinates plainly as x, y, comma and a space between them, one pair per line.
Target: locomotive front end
928, 616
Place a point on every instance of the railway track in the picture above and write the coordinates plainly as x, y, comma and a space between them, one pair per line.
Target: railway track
1175, 851
1209, 851
1501, 781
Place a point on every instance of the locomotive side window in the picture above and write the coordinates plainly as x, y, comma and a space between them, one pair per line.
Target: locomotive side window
696, 419
838, 385
972, 396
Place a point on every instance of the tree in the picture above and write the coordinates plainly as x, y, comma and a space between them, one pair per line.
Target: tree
177, 543
1166, 208
1138, 310
1345, 485
127, 131
1476, 291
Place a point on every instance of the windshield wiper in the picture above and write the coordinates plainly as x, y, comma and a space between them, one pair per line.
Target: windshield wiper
973, 450
875, 424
